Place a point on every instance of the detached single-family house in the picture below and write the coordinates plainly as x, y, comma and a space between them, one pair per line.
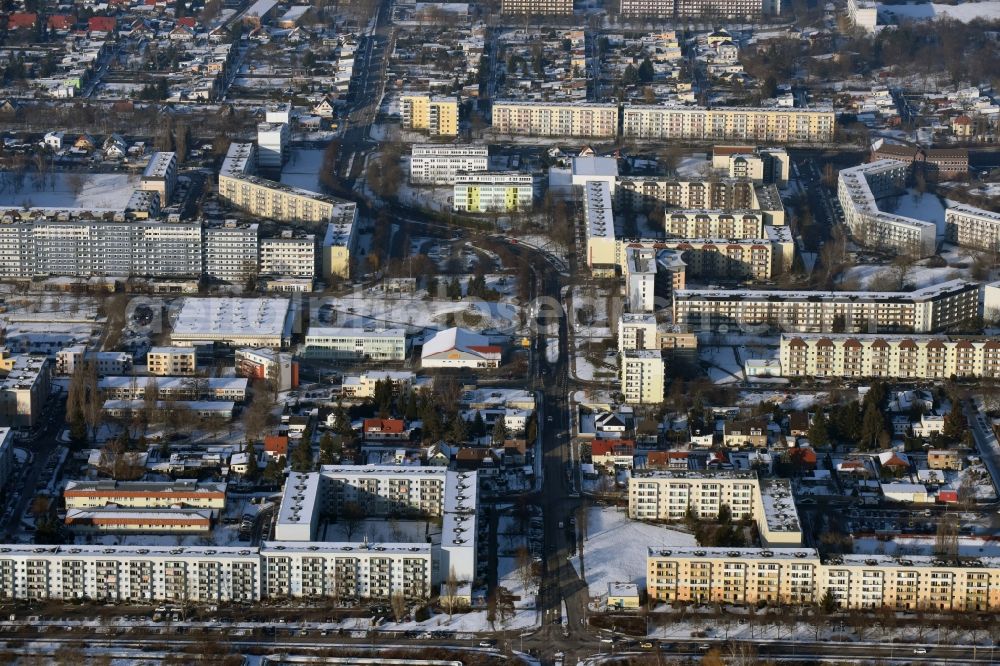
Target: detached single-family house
752, 432
54, 140
385, 430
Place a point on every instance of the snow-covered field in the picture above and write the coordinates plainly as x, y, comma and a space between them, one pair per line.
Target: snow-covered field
615, 548
723, 366
302, 169
904, 545
379, 531
964, 12
100, 190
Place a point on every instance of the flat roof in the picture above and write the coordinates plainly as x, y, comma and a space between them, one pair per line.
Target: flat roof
220, 552
159, 164
920, 295
236, 317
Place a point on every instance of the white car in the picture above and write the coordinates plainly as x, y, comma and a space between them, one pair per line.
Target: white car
919, 650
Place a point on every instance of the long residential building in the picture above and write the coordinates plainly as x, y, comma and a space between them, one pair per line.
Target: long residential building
338, 343
289, 254
969, 226
764, 124
482, 192
745, 224
178, 388
212, 574
277, 201
231, 250
797, 576
145, 494
671, 494
564, 119
389, 490
858, 190
668, 9
433, 164
83, 247
903, 357
543, 8
940, 307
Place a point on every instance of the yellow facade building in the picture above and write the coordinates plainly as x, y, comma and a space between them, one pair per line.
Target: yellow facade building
438, 116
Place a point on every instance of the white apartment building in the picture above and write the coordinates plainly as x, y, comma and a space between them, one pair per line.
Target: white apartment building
290, 254
433, 164
24, 391
599, 222
160, 176
969, 226
797, 576
356, 343
363, 386
565, 119
768, 165
130, 574
764, 124
276, 569
670, 494
744, 10
642, 377
383, 490
80, 247
231, 251
272, 145
940, 307
483, 192
909, 357
171, 361
346, 571
858, 190
637, 332
105, 363
640, 279
179, 388
864, 14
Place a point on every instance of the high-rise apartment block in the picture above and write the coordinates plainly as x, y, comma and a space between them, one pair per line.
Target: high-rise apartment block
438, 116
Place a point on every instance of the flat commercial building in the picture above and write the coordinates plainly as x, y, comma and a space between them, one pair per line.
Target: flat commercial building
949, 305
231, 250
798, 576
24, 391
145, 494
160, 176
290, 254
432, 164
670, 494
438, 116
969, 226
642, 377
769, 125
858, 190
493, 191
566, 119
543, 8
904, 357
239, 322
337, 343
171, 361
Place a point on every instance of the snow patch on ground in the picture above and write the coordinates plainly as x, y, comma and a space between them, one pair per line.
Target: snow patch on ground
964, 12
98, 191
303, 169
615, 548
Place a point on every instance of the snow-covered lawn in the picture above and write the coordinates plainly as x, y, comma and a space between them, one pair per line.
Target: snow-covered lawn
964, 12
615, 548
99, 191
303, 168
723, 366
379, 531
907, 545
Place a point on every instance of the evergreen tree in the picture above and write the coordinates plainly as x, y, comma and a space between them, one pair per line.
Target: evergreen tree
819, 434
955, 424
631, 76
274, 470
328, 449
646, 71
457, 431
478, 428
383, 397
872, 426
499, 430
411, 411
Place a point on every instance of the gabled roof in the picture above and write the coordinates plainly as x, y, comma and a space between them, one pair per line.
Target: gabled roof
460, 340
276, 444
390, 426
